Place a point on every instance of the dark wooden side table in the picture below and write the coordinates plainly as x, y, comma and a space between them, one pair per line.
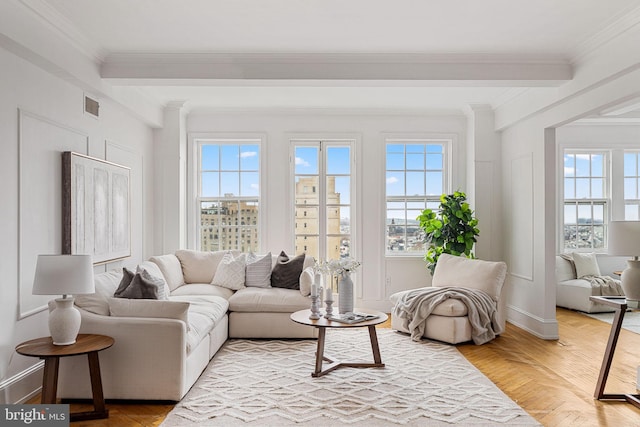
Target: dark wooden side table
620, 305
88, 344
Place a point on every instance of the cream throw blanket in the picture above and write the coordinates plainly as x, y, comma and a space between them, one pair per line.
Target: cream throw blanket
415, 306
608, 285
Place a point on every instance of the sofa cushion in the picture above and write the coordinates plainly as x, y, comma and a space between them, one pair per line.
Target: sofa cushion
258, 271
276, 300
586, 264
205, 312
286, 272
230, 272
124, 307
565, 269
458, 271
202, 289
106, 284
199, 266
171, 269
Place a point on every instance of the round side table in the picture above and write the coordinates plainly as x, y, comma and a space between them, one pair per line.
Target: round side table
88, 344
323, 323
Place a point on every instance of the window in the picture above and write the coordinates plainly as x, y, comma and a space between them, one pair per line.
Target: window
585, 200
323, 198
228, 194
631, 186
416, 177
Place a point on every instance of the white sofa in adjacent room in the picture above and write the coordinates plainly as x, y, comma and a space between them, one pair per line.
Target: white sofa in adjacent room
162, 347
573, 292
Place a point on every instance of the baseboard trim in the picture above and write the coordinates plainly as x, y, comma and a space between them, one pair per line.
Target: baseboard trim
547, 329
17, 383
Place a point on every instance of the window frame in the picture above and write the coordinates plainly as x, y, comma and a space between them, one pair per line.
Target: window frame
615, 184
194, 199
324, 141
448, 147
604, 201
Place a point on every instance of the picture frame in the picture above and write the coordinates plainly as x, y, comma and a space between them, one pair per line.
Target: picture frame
96, 208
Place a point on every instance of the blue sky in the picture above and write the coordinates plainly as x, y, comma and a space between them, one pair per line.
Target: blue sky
337, 164
230, 169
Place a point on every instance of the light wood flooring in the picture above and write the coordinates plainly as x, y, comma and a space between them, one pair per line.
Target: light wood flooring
554, 381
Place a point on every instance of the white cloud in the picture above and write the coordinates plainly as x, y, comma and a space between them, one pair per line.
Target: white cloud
302, 162
256, 186
392, 180
248, 154
569, 171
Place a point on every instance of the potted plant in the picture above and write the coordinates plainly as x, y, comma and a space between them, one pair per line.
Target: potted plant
449, 230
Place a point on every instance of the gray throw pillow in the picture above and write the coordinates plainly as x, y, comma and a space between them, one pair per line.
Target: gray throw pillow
157, 281
286, 272
127, 277
142, 286
258, 271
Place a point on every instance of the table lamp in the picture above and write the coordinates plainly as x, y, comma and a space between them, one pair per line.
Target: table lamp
624, 239
64, 275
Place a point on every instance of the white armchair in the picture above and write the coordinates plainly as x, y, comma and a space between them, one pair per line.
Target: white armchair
449, 321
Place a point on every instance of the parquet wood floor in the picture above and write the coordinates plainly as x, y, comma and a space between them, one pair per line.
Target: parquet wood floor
554, 381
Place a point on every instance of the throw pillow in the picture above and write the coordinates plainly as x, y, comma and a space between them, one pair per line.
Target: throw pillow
258, 272
306, 280
155, 280
127, 277
119, 307
286, 272
230, 272
586, 264
142, 286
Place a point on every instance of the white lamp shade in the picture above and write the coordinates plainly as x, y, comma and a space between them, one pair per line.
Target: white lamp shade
624, 238
63, 274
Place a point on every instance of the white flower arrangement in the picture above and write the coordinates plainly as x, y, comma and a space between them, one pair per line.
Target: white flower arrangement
343, 265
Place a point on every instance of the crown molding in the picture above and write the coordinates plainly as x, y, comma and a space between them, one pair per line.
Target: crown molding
624, 22
53, 18
130, 66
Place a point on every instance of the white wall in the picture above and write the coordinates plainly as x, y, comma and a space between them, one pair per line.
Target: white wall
379, 276
52, 103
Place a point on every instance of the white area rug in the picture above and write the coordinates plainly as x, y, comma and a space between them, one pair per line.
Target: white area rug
631, 320
269, 383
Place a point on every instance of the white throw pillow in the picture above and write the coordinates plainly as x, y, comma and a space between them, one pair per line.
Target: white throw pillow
258, 271
306, 280
586, 264
124, 307
230, 272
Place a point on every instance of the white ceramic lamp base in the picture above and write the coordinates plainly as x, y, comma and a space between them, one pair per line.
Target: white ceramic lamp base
64, 322
631, 280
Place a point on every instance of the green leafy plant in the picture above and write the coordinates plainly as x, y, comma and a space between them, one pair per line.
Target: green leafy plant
452, 229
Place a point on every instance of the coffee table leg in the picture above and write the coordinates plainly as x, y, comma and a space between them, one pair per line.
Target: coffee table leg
320, 351
373, 337
50, 380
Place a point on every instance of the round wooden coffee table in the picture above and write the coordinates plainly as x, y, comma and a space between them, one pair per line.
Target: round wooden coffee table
322, 324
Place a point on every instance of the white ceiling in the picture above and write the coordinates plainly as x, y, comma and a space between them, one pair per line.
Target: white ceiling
452, 33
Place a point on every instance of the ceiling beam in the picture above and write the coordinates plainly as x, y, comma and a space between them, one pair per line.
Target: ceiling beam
499, 70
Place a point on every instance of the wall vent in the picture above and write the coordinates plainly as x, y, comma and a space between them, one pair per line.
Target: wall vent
91, 106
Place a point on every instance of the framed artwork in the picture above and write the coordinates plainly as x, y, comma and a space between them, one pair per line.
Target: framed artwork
96, 208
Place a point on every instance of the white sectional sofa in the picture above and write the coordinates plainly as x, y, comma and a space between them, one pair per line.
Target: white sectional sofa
162, 347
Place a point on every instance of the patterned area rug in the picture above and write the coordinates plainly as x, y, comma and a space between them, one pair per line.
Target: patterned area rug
631, 320
269, 383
